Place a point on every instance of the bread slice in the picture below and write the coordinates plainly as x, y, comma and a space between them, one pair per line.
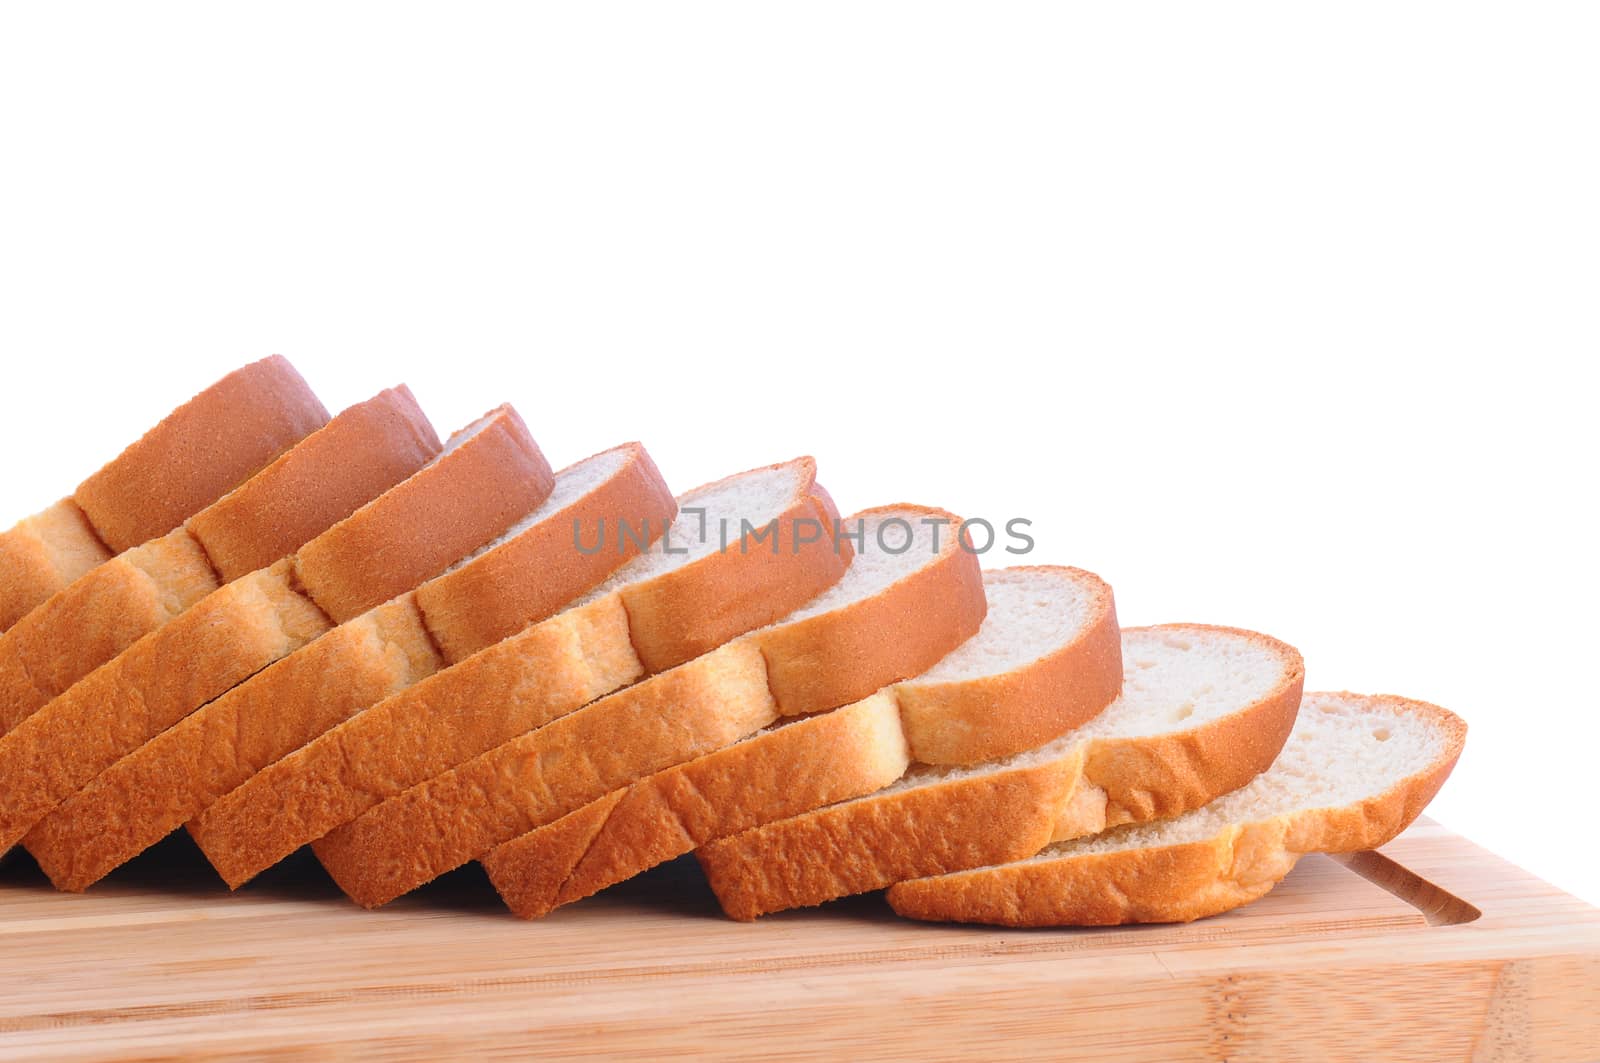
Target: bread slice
199, 451
525, 576
655, 608
478, 487
1046, 658
323, 479
1203, 710
1355, 772
676, 716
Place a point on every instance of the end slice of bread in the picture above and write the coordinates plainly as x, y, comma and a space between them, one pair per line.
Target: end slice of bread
521, 577
320, 481
611, 637
1202, 711
822, 650
199, 451
246, 625
217, 439
1046, 657
1355, 773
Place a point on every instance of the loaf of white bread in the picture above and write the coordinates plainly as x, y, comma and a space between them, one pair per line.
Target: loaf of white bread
277, 628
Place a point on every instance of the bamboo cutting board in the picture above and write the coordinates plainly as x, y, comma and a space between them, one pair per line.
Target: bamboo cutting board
1431, 950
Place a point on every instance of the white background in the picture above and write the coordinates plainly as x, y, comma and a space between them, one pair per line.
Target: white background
1274, 316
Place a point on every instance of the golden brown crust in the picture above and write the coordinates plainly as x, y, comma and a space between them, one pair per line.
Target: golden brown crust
478, 488
834, 658
97, 617
227, 637
199, 452
801, 765
532, 575
532, 872
43, 554
677, 715
159, 786
970, 720
1178, 883
418, 733
325, 476
963, 822
318, 482
697, 607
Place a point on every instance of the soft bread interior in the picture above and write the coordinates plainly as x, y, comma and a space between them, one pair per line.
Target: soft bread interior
894, 544
1032, 612
1343, 750
757, 497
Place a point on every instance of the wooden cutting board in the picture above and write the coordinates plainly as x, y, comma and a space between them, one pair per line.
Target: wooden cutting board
1431, 950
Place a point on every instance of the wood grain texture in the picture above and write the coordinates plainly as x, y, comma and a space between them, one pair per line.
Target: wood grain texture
1432, 950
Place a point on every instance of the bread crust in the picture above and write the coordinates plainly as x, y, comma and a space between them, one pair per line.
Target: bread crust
834, 658
97, 617
320, 481
159, 786
712, 701
530, 577
1183, 882
199, 451
174, 777
794, 767
416, 734
971, 821
42, 554
225, 638
489, 477
966, 721
692, 609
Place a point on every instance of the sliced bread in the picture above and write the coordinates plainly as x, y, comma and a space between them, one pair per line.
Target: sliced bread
631, 625
525, 576
1354, 773
1203, 710
321, 480
687, 712
197, 453
1047, 658
491, 475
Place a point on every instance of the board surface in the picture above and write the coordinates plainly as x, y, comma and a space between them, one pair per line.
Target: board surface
1432, 949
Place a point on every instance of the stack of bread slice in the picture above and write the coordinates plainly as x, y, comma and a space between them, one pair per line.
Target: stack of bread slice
278, 629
